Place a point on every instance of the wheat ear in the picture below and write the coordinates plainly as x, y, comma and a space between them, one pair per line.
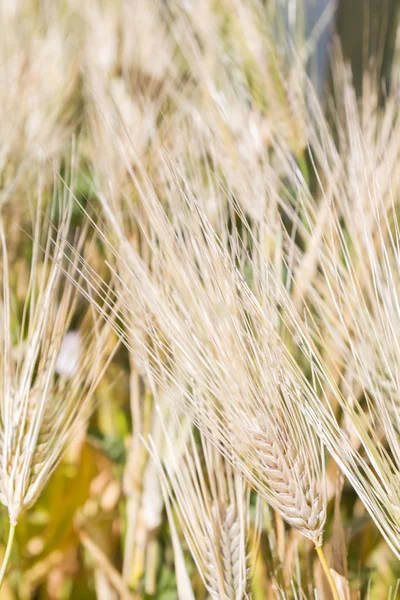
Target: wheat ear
46, 397
211, 503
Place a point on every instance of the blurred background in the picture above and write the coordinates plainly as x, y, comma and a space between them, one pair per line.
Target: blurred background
366, 29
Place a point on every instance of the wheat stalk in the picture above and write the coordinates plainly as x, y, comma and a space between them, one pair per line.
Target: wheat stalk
347, 279
224, 344
46, 395
212, 509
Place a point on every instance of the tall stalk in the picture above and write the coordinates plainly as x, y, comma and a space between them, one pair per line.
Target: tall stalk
7, 553
327, 571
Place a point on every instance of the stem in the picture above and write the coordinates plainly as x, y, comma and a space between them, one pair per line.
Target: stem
8, 553
132, 491
328, 573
